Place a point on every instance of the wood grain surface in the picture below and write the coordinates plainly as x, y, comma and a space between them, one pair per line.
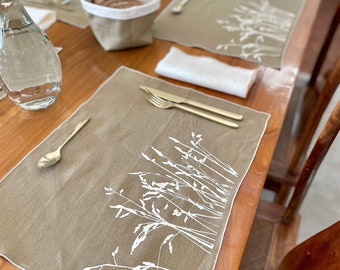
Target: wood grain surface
86, 66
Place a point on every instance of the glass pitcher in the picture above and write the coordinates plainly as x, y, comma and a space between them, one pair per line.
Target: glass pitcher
30, 68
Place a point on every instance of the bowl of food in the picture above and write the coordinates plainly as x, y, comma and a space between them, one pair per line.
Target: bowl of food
121, 24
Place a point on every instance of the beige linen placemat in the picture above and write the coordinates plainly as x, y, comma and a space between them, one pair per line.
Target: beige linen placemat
137, 187
256, 30
75, 15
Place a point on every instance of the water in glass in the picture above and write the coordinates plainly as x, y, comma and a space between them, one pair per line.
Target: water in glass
29, 65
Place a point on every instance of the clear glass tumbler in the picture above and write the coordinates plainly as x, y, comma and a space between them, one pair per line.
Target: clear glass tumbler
30, 68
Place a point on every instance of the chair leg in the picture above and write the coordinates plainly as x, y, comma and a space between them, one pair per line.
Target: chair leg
284, 239
283, 194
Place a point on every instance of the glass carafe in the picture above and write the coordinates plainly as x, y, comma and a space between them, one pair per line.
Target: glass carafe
30, 68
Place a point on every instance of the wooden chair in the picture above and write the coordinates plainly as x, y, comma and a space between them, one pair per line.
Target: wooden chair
325, 47
321, 251
275, 227
294, 142
304, 114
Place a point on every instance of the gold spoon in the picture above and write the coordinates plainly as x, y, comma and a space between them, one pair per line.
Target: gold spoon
178, 9
53, 157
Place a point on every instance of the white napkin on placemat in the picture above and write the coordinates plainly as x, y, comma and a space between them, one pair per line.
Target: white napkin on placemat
42, 17
207, 72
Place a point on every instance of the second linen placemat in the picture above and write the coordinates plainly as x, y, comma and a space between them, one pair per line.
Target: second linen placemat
256, 30
137, 187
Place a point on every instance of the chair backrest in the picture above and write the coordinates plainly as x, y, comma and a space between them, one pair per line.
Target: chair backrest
314, 105
316, 99
325, 47
319, 151
321, 251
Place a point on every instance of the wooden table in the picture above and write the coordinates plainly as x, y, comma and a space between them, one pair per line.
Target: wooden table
86, 66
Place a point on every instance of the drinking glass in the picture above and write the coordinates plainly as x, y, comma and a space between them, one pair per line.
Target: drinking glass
30, 68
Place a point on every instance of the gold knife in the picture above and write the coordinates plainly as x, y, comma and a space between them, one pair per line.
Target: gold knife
197, 104
163, 103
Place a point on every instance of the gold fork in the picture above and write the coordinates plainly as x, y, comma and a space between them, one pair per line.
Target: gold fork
166, 104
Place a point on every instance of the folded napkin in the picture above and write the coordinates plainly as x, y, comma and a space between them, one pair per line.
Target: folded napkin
207, 72
43, 17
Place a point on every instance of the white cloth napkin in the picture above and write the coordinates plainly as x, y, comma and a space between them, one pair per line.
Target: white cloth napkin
207, 72
43, 17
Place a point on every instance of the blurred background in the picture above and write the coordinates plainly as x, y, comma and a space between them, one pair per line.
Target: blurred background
321, 207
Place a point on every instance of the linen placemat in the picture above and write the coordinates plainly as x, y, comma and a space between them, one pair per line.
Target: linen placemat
256, 30
137, 187
71, 13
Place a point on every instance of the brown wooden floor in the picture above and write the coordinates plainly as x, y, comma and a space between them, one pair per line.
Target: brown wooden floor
326, 11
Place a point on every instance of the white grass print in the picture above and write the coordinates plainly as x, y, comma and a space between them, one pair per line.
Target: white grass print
256, 22
116, 265
185, 197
